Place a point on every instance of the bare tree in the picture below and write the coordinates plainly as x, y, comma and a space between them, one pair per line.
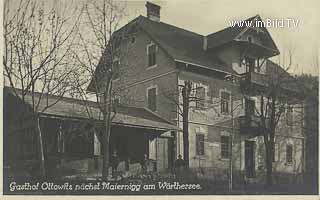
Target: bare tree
279, 93
38, 39
182, 98
190, 95
102, 56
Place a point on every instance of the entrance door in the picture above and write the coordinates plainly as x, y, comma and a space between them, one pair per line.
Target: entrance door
249, 159
162, 154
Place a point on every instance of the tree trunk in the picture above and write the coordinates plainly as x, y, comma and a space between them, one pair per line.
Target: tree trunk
185, 121
186, 137
269, 159
41, 150
105, 144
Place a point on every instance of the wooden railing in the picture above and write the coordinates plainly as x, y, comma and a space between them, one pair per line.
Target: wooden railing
249, 125
255, 78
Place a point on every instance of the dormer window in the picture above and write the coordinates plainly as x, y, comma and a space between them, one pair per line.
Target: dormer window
152, 55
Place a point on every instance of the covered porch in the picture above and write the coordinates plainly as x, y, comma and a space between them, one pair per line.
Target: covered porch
72, 142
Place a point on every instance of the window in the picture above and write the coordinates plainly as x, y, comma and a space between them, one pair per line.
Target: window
289, 115
225, 100
152, 50
250, 39
200, 97
199, 144
250, 64
249, 107
116, 100
115, 69
224, 146
289, 151
133, 40
152, 99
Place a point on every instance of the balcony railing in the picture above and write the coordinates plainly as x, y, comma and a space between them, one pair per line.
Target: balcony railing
255, 78
250, 125
255, 83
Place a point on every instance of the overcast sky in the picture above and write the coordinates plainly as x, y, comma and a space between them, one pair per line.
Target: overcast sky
208, 16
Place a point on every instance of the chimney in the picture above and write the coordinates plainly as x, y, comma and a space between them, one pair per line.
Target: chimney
153, 11
205, 43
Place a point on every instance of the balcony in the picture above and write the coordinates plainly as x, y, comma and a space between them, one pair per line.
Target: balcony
250, 125
254, 83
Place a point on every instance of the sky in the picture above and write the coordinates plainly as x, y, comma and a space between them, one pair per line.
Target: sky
208, 16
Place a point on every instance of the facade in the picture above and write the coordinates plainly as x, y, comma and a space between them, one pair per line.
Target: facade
228, 71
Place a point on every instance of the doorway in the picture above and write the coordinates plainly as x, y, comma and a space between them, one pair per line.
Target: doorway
249, 159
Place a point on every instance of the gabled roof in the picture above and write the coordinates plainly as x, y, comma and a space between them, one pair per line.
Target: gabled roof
231, 34
226, 35
186, 46
182, 45
79, 109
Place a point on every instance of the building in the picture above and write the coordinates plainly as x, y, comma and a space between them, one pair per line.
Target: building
229, 71
71, 136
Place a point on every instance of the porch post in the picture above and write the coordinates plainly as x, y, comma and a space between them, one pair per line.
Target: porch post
174, 149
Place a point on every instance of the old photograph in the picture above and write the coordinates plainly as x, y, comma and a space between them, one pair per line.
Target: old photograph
179, 97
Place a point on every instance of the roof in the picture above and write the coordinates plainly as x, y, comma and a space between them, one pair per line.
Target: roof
186, 46
288, 82
182, 45
75, 108
231, 34
225, 35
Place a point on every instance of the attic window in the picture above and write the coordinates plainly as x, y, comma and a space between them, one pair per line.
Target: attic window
152, 53
249, 39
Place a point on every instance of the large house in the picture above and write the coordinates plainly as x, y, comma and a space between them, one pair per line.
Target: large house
229, 71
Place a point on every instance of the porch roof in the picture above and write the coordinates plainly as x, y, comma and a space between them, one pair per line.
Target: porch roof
64, 107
